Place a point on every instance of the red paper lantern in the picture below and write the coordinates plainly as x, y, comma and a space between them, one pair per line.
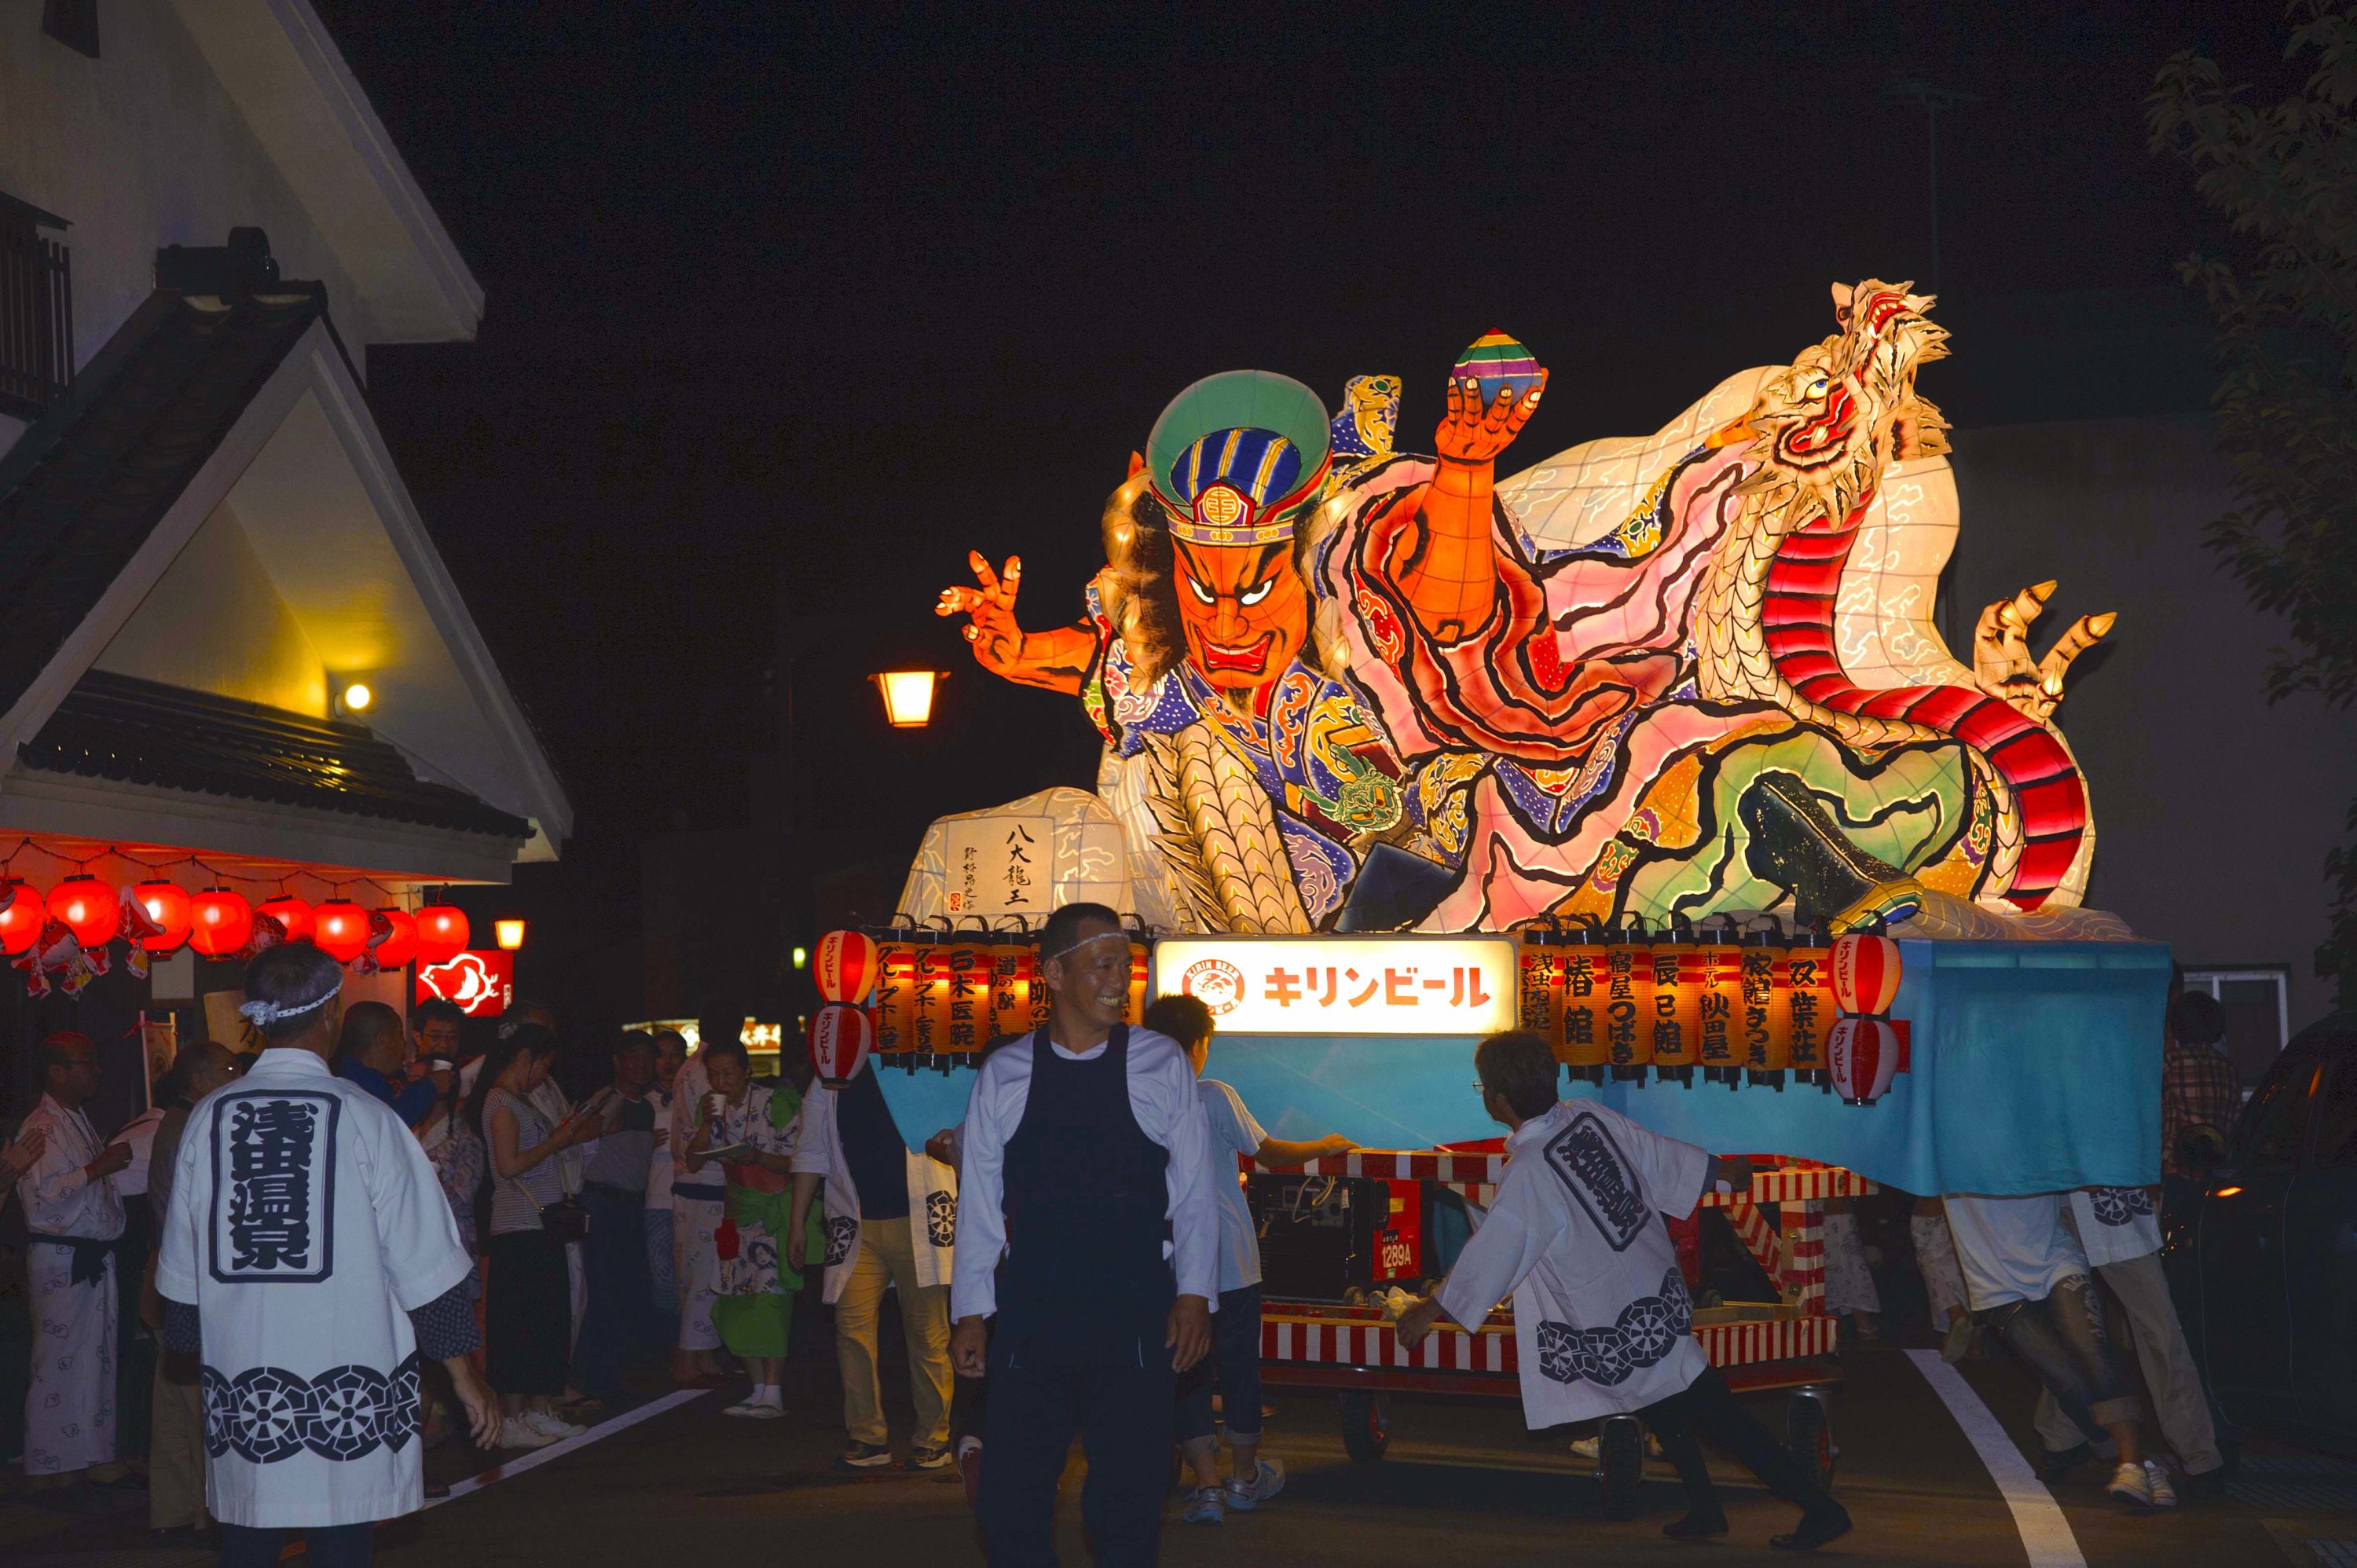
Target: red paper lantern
220, 921
1864, 1054
167, 908
340, 928
843, 966
89, 909
398, 943
441, 933
840, 1037
292, 915
1865, 974
23, 913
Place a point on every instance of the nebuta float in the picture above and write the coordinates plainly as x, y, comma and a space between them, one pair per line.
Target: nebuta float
1343, 686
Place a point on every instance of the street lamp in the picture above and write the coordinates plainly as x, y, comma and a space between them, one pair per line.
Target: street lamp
908, 697
509, 934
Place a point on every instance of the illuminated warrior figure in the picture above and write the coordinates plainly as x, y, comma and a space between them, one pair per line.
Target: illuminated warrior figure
1615, 684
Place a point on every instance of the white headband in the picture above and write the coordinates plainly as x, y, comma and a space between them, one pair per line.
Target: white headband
262, 1014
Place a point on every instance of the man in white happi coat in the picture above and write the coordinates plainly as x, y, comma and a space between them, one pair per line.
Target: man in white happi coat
2119, 1229
1603, 1324
311, 1260
75, 1217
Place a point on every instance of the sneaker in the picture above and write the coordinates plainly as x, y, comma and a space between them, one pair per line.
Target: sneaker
1267, 1480
2129, 1485
555, 1425
1207, 1505
925, 1458
864, 1456
1957, 1343
2155, 1478
755, 1409
1592, 1448
515, 1432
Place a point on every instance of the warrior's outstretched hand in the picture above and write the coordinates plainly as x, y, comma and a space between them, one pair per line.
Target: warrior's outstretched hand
1055, 660
2001, 658
1475, 434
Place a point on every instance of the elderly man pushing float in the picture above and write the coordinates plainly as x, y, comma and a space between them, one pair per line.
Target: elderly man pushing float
1088, 1225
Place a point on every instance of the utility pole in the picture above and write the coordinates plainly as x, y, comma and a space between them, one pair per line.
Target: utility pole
1930, 99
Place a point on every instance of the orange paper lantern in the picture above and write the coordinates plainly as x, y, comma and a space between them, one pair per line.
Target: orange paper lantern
1765, 1047
292, 915
930, 1018
843, 966
1629, 1004
167, 908
89, 909
220, 922
23, 913
1804, 1004
339, 929
968, 1017
896, 995
442, 933
1865, 974
1141, 967
1584, 964
1010, 988
1719, 1007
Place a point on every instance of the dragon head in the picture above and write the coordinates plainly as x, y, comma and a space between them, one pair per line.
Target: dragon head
1846, 408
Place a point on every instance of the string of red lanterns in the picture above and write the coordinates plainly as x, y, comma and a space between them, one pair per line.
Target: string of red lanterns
160, 918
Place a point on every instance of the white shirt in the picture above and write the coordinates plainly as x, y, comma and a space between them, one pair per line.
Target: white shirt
2116, 1224
687, 1092
1602, 1320
306, 1225
1161, 1096
932, 1193
138, 1136
2012, 1248
59, 1199
1232, 1132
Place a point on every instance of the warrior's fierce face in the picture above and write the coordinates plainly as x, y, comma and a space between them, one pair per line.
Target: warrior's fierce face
1246, 609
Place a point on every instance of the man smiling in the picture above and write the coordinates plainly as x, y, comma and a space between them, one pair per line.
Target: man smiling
1084, 1146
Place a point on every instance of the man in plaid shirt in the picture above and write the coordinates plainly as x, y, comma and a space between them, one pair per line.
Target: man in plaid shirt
2197, 1081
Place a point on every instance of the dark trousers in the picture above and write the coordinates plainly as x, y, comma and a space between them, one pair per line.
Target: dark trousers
619, 1316
343, 1546
1122, 1407
1707, 1406
1233, 1367
2062, 1341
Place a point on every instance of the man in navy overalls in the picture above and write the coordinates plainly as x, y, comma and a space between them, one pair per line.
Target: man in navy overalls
1088, 1224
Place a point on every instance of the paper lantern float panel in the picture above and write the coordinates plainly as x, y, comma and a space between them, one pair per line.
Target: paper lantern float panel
1674, 713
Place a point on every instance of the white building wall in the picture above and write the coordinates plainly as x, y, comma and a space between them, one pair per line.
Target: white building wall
139, 149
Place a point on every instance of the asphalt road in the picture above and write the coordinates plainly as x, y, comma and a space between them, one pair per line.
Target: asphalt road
1463, 1483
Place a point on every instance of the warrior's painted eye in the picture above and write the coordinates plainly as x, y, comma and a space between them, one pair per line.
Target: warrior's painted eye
1255, 595
1817, 387
1202, 593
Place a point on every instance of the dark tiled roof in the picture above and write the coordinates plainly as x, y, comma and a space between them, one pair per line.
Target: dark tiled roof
140, 732
80, 491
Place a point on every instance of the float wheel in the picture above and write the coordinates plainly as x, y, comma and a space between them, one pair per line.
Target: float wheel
1366, 1426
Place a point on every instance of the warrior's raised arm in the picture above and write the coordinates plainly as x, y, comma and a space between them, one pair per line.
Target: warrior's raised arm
1055, 659
1445, 564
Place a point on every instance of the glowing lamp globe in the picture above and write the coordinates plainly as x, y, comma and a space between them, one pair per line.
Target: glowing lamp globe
398, 942
292, 915
441, 933
23, 913
167, 908
1865, 975
339, 929
1498, 363
89, 909
907, 697
840, 1037
220, 921
845, 970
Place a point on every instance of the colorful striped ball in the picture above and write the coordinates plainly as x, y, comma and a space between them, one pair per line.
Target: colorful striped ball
1498, 362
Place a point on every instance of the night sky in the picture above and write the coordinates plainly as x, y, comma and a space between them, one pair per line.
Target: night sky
784, 314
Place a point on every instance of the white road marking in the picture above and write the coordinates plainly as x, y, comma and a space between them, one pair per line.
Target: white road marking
540, 1456
2045, 1532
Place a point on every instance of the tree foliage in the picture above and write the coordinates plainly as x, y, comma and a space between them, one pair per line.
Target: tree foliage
2284, 296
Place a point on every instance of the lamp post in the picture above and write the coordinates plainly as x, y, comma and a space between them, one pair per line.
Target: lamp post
908, 697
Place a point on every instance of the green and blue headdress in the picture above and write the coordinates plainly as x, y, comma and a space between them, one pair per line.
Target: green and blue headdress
1239, 457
